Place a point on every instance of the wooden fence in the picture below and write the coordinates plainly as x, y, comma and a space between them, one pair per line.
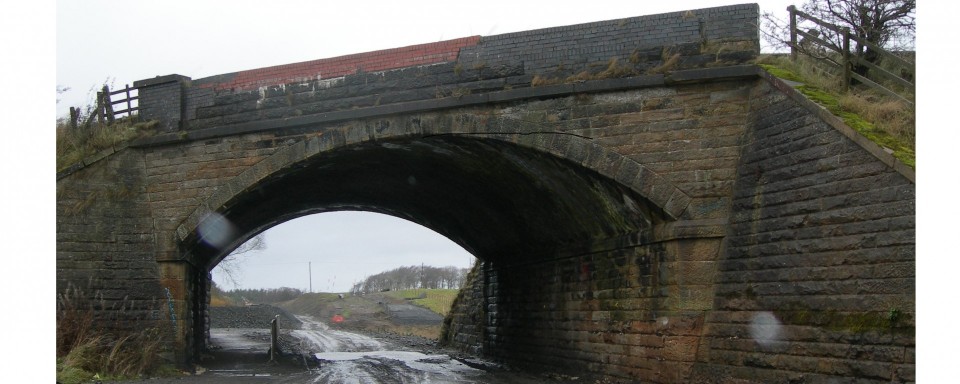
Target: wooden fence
104, 111
812, 42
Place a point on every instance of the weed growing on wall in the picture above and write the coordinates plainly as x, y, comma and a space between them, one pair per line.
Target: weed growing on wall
75, 144
89, 347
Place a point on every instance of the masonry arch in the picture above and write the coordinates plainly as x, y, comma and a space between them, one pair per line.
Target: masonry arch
500, 197
470, 190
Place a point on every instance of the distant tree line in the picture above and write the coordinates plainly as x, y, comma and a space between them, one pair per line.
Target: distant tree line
413, 277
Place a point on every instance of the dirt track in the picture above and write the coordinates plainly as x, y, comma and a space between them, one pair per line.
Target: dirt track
369, 346
318, 353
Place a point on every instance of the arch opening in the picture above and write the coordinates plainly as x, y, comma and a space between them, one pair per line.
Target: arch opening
332, 252
502, 202
493, 198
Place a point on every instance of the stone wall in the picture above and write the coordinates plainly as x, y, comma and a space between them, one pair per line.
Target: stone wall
640, 45
811, 279
463, 328
645, 41
105, 238
822, 239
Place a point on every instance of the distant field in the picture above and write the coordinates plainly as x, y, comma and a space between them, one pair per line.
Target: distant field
367, 312
437, 300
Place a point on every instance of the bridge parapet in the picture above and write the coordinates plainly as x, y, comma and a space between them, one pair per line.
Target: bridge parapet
642, 45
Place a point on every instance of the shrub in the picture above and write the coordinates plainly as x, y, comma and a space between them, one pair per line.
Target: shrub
88, 346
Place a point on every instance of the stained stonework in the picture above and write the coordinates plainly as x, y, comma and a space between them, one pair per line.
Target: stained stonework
698, 223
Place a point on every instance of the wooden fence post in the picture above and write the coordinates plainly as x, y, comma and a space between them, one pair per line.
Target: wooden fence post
100, 114
74, 118
846, 59
274, 331
793, 32
107, 105
129, 105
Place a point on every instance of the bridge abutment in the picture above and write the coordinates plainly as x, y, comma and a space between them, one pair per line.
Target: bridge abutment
635, 311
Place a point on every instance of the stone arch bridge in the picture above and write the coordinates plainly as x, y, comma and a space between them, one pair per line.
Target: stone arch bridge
646, 204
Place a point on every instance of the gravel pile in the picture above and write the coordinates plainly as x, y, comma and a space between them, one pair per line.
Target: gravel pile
408, 342
252, 316
406, 314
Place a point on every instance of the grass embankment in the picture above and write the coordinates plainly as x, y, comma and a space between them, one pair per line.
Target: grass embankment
73, 145
437, 300
889, 123
367, 314
324, 305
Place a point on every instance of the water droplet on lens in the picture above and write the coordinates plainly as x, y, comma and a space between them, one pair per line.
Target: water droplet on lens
765, 328
216, 231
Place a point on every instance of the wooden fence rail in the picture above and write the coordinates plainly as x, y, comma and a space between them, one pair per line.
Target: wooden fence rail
105, 103
809, 40
104, 111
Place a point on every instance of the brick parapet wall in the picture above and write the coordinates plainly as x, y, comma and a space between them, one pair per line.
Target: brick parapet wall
577, 46
331, 68
701, 38
162, 99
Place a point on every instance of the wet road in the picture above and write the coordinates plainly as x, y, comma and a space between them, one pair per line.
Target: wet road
346, 357
325, 355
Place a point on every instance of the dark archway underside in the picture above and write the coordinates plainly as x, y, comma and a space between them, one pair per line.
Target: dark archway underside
496, 199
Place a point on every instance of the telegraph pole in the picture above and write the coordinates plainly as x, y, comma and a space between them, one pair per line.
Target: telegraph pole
310, 268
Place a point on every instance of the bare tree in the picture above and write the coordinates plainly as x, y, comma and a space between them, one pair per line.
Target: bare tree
230, 265
885, 23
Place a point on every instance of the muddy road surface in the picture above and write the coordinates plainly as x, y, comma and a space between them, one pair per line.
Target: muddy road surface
319, 353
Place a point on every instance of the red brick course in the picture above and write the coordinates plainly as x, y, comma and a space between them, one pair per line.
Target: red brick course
329, 68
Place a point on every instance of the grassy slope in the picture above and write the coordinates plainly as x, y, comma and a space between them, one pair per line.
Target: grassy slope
437, 300
902, 146
364, 313
320, 304
75, 145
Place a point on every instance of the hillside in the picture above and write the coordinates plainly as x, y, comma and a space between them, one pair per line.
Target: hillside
410, 312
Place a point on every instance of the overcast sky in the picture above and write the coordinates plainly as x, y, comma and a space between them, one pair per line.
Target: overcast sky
340, 249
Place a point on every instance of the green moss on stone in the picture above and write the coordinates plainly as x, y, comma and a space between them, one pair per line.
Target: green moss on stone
892, 321
901, 150
781, 73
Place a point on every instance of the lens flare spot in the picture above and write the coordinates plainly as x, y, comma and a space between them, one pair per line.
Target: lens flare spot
216, 231
765, 328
